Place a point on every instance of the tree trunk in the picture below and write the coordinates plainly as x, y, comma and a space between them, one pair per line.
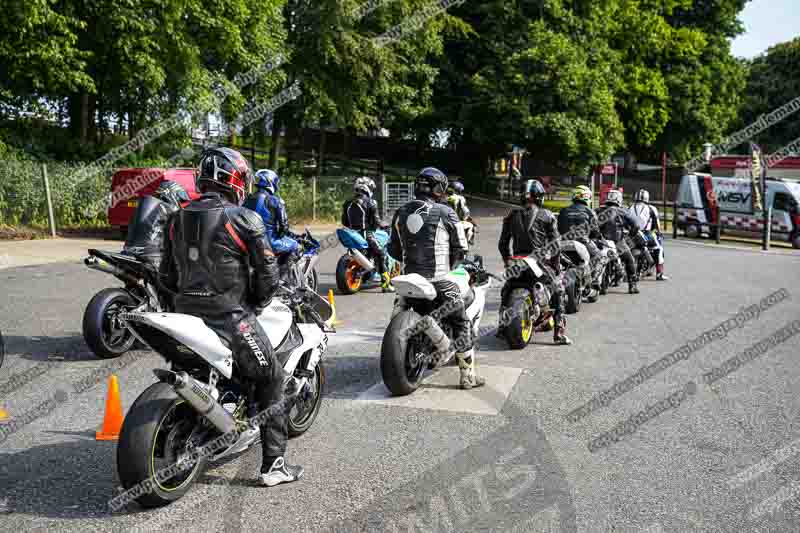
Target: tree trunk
321, 158
275, 145
79, 115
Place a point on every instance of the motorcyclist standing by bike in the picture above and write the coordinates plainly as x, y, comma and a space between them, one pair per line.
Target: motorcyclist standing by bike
212, 247
533, 228
428, 240
617, 220
647, 215
579, 219
145, 239
360, 213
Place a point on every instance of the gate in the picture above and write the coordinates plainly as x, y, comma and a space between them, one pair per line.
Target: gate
396, 194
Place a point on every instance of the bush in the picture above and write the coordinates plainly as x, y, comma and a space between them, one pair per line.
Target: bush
23, 198
296, 191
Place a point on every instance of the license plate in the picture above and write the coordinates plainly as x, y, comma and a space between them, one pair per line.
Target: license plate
133, 203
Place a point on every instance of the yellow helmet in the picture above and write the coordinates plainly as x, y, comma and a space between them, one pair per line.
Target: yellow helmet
582, 193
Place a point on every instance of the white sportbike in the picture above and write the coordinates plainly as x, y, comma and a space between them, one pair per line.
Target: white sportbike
413, 337
197, 411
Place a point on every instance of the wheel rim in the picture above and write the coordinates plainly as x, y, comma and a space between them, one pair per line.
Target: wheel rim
352, 275
115, 335
311, 281
525, 320
171, 441
302, 411
415, 357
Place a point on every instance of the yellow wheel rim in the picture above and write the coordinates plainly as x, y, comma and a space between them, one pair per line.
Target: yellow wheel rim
527, 323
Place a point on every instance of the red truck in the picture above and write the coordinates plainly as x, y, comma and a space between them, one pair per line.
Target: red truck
130, 184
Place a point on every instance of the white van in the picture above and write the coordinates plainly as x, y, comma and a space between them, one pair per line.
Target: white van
700, 194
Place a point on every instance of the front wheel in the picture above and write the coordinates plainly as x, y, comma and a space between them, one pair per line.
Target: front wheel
519, 330
348, 275
157, 432
403, 358
312, 279
102, 330
306, 408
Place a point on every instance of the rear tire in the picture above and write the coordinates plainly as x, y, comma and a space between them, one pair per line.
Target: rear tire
348, 275
796, 242
399, 375
692, 231
519, 330
101, 329
573, 293
138, 445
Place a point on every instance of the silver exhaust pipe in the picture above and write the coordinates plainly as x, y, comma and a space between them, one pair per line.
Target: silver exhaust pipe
196, 394
362, 260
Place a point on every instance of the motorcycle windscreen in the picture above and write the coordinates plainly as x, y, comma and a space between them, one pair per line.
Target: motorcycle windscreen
145, 229
320, 305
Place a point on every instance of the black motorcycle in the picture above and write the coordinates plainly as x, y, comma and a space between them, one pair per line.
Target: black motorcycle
103, 330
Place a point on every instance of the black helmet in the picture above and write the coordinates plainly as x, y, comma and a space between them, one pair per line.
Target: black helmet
227, 170
430, 182
534, 190
172, 193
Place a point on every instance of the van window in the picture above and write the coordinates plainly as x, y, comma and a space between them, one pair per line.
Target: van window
784, 202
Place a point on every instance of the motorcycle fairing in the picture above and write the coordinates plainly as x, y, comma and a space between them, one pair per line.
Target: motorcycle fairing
355, 240
315, 340
414, 286
192, 332
276, 319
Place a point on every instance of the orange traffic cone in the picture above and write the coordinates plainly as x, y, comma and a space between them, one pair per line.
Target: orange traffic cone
112, 423
333, 320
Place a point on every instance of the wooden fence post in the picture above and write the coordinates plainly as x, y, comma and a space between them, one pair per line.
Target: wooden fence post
49, 199
314, 198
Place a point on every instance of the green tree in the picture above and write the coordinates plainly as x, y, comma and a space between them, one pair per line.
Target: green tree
773, 80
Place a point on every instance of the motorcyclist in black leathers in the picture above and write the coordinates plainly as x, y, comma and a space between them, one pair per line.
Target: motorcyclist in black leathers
615, 220
428, 240
145, 239
530, 229
360, 213
212, 247
579, 223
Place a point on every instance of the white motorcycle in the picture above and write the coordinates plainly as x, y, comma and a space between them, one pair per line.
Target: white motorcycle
202, 397
413, 337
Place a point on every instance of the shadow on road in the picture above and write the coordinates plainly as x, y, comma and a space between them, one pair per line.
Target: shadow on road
45, 348
71, 479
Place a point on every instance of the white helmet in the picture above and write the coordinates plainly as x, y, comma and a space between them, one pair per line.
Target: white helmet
614, 197
364, 185
642, 196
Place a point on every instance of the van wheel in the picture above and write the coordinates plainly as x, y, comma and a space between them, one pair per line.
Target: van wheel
692, 231
796, 242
